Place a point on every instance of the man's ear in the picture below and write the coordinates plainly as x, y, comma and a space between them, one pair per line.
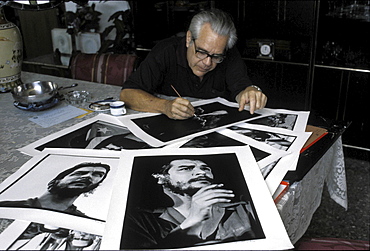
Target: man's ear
160, 178
188, 38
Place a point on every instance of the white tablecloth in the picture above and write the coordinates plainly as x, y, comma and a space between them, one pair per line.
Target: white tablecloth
298, 205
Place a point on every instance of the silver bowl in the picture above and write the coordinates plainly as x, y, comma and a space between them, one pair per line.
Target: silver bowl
35, 92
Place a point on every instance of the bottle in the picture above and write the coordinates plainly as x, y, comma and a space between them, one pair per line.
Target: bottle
11, 54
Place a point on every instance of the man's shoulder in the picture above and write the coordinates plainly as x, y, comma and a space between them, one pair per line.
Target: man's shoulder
167, 43
233, 53
144, 214
73, 210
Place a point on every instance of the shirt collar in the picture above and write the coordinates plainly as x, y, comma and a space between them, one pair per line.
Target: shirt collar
172, 215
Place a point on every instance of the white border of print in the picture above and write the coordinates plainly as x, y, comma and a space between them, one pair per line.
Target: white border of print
272, 225
275, 154
11, 235
31, 148
286, 163
139, 132
301, 122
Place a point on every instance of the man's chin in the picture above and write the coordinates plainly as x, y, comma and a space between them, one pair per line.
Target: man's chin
200, 72
71, 192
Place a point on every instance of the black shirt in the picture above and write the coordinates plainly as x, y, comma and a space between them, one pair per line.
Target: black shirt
167, 65
160, 228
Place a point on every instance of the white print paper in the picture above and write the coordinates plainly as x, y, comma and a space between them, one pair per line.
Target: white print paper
25, 189
57, 115
234, 167
211, 115
286, 119
263, 153
21, 235
278, 138
100, 132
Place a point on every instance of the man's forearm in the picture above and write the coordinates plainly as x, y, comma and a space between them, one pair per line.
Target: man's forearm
140, 100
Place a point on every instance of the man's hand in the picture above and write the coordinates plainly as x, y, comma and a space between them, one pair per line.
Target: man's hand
202, 201
250, 95
179, 108
140, 100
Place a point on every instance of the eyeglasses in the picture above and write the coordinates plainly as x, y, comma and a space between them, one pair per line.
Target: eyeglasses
216, 58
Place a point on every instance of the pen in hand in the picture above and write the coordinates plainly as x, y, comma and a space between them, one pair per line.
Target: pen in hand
178, 94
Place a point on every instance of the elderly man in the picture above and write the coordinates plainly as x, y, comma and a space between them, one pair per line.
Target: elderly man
65, 188
202, 212
203, 64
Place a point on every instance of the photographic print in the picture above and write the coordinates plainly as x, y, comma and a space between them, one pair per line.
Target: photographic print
286, 119
278, 138
211, 115
263, 154
24, 235
67, 188
213, 198
101, 132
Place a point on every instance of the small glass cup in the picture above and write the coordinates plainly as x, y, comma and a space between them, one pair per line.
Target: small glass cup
77, 97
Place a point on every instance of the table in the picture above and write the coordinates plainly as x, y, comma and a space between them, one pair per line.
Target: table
296, 207
18, 131
321, 163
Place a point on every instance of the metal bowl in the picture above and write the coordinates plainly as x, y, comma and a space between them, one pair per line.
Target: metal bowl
35, 92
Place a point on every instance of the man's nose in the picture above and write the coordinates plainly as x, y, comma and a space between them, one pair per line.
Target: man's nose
198, 170
207, 61
87, 175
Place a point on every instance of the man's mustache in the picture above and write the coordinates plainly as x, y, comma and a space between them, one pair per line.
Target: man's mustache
86, 181
201, 178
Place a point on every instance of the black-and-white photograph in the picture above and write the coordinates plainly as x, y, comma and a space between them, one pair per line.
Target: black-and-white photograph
286, 119
59, 185
98, 135
215, 139
192, 201
100, 132
25, 235
210, 115
277, 140
263, 154
184, 199
280, 139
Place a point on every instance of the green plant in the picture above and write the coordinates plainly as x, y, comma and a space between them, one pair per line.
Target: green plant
123, 43
86, 18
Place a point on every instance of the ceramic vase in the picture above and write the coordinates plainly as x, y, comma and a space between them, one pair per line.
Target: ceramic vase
11, 54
